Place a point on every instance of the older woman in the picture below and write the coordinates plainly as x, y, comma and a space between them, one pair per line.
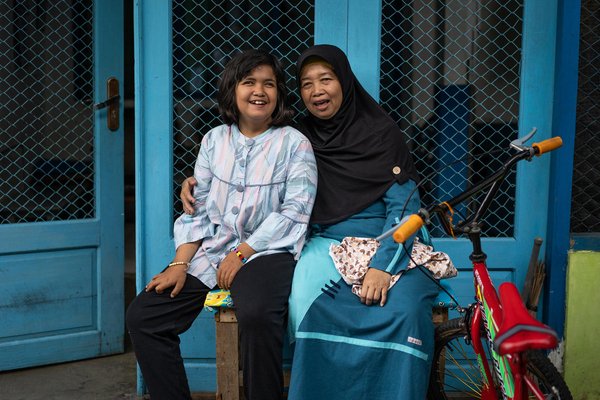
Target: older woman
377, 345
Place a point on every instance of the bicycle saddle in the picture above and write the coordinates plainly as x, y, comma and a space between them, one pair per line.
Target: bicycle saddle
519, 331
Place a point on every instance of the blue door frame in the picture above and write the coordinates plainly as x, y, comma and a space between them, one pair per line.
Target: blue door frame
154, 179
564, 118
548, 86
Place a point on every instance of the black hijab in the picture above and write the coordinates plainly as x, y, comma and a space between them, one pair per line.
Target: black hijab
360, 151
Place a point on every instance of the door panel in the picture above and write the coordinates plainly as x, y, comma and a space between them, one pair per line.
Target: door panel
27, 315
61, 213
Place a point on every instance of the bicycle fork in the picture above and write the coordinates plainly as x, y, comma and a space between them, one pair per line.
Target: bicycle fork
488, 390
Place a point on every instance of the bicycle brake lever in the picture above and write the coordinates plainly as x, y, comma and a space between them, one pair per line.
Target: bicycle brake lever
519, 144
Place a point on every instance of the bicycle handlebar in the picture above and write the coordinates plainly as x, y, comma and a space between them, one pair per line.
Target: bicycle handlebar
416, 221
408, 228
547, 145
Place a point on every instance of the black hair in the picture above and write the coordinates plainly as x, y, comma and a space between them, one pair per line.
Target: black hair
237, 69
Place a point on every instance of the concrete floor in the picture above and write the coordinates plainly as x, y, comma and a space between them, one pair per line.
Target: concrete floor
106, 378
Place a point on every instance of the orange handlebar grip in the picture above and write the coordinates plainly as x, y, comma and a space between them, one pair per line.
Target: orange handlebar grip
407, 229
547, 145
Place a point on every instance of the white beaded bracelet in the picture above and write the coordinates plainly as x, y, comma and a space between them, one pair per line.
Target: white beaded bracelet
187, 264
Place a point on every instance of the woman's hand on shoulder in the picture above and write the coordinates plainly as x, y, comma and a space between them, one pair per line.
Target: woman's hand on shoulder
186, 194
375, 287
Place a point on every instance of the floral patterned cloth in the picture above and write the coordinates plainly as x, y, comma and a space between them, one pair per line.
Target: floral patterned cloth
353, 255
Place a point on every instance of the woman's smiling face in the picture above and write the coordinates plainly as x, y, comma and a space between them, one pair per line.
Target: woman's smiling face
320, 89
256, 98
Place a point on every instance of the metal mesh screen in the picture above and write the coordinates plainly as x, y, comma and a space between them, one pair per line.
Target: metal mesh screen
585, 205
450, 78
46, 120
205, 35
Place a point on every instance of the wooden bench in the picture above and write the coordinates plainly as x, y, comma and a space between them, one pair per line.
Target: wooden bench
229, 373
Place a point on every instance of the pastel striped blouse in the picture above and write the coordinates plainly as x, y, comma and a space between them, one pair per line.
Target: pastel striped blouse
257, 190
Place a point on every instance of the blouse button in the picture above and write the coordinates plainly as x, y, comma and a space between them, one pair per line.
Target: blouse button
396, 170
239, 188
243, 163
250, 142
235, 210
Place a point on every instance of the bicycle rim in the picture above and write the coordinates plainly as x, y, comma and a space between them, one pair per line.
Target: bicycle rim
455, 372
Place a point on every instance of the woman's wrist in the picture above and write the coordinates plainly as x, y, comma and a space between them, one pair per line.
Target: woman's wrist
243, 252
240, 255
182, 263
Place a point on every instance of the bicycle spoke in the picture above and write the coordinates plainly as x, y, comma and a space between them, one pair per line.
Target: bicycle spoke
471, 386
469, 378
460, 374
461, 390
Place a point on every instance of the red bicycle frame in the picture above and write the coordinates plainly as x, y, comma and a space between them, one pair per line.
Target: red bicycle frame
489, 313
510, 369
520, 332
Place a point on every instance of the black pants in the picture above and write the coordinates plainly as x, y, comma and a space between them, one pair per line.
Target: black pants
260, 293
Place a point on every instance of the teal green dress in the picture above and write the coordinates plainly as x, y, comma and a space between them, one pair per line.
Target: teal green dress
344, 349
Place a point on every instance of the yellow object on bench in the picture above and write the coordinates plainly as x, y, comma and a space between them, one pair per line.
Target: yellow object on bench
218, 298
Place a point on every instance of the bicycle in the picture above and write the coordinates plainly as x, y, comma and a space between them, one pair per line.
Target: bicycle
515, 342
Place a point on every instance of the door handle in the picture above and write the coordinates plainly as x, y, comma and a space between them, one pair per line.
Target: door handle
112, 102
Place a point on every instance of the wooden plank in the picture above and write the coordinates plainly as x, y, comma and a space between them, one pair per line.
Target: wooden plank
226, 315
227, 355
17, 238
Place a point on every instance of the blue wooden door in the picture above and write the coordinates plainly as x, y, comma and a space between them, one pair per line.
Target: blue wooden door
61, 182
180, 49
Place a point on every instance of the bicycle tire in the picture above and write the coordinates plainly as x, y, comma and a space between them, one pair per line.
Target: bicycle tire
449, 381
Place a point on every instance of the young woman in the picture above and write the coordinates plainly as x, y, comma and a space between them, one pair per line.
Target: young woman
256, 183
